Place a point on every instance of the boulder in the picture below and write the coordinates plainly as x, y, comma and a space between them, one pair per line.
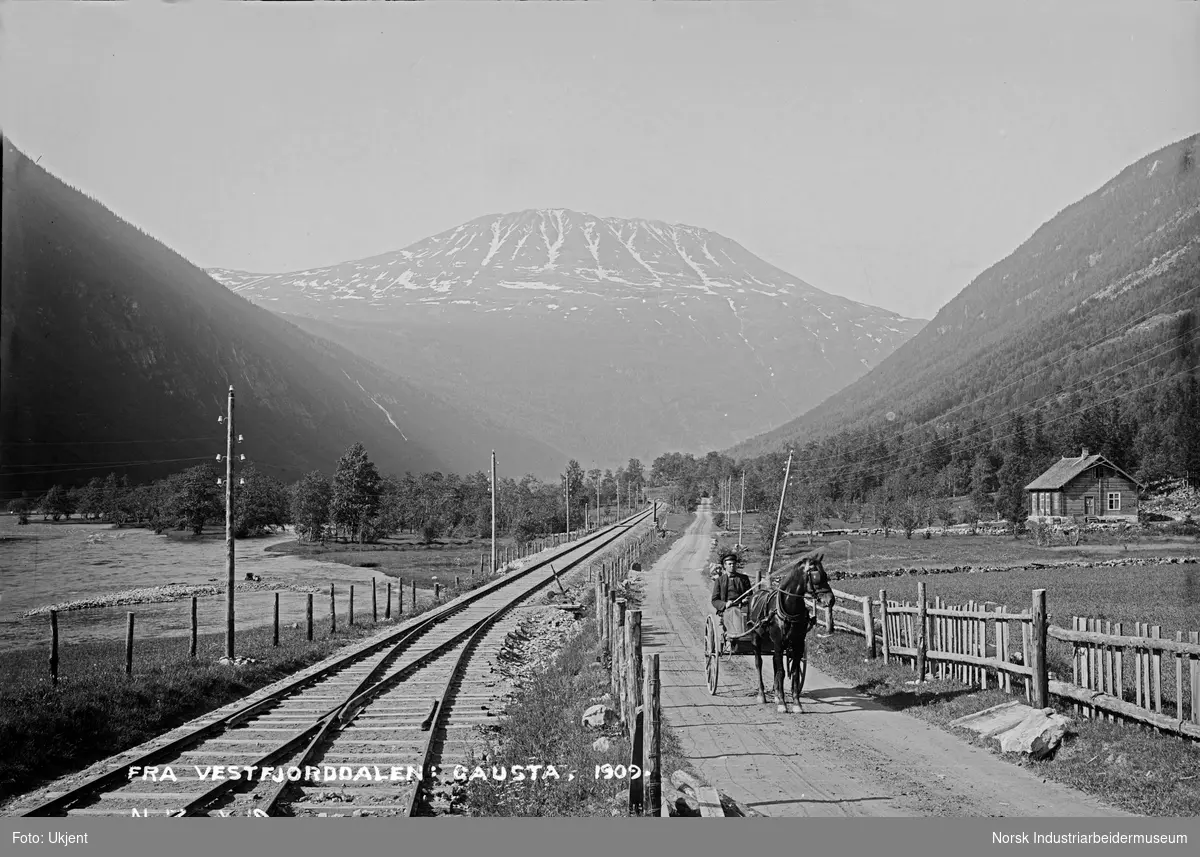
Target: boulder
599, 716
1037, 735
602, 745
686, 783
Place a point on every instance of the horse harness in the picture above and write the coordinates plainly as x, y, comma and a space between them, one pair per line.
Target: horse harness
777, 595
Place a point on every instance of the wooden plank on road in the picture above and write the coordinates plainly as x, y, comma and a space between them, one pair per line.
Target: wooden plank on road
710, 803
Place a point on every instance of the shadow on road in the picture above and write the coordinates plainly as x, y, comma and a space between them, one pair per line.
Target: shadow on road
816, 800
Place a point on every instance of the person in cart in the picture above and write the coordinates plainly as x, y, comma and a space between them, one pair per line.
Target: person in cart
728, 586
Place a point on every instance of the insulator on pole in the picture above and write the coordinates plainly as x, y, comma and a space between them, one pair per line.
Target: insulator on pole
242, 481
243, 458
239, 438
221, 419
218, 456
220, 481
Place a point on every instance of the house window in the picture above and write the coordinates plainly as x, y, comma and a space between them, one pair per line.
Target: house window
1114, 501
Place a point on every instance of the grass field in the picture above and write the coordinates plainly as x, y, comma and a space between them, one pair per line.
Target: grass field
405, 557
1166, 595
1162, 594
46, 564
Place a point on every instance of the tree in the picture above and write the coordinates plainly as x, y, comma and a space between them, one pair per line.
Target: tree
56, 503
113, 496
981, 483
807, 506
766, 532
260, 504
636, 473
355, 493
310, 505
393, 510
1011, 500
91, 499
20, 507
573, 480
196, 498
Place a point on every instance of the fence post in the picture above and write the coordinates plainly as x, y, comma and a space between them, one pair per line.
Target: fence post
884, 645
129, 645
618, 666
633, 666
651, 767
308, 618
1194, 672
869, 625
1156, 669
195, 630
374, 603
387, 605
275, 633
922, 620
611, 609
332, 612
54, 647
1040, 689
437, 592
413, 599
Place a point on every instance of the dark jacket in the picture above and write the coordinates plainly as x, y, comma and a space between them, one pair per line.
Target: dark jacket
727, 587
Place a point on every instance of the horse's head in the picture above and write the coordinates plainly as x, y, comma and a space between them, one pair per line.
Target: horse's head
810, 574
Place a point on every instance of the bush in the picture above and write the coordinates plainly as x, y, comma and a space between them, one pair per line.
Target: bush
719, 520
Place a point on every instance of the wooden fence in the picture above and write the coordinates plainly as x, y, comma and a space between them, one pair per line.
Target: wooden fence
440, 592
1115, 675
633, 681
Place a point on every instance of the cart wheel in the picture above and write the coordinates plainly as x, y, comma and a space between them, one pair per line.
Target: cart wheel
712, 661
803, 674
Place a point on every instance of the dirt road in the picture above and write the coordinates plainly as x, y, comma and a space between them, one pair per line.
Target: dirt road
845, 755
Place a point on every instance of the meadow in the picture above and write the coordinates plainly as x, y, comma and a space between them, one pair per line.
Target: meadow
1165, 594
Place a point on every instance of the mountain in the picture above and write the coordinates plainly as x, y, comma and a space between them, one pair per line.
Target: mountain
117, 355
1099, 301
618, 337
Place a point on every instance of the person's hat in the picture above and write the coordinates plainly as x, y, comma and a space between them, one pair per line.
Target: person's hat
730, 555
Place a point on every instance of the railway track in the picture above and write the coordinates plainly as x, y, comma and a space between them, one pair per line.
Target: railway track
386, 712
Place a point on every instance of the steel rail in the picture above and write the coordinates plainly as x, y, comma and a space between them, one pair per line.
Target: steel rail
473, 633
399, 639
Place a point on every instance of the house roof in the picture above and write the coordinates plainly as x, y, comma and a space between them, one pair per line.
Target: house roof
1066, 469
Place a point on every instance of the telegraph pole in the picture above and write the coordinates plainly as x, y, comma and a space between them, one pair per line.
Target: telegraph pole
567, 479
493, 511
741, 508
779, 517
618, 500
229, 436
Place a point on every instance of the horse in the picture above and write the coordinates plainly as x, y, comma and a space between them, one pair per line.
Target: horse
779, 613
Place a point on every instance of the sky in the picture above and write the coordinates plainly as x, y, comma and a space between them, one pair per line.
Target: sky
885, 152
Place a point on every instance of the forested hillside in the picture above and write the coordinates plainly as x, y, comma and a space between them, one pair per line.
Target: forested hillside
1085, 336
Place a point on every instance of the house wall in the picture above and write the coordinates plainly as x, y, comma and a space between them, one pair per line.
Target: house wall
1098, 482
